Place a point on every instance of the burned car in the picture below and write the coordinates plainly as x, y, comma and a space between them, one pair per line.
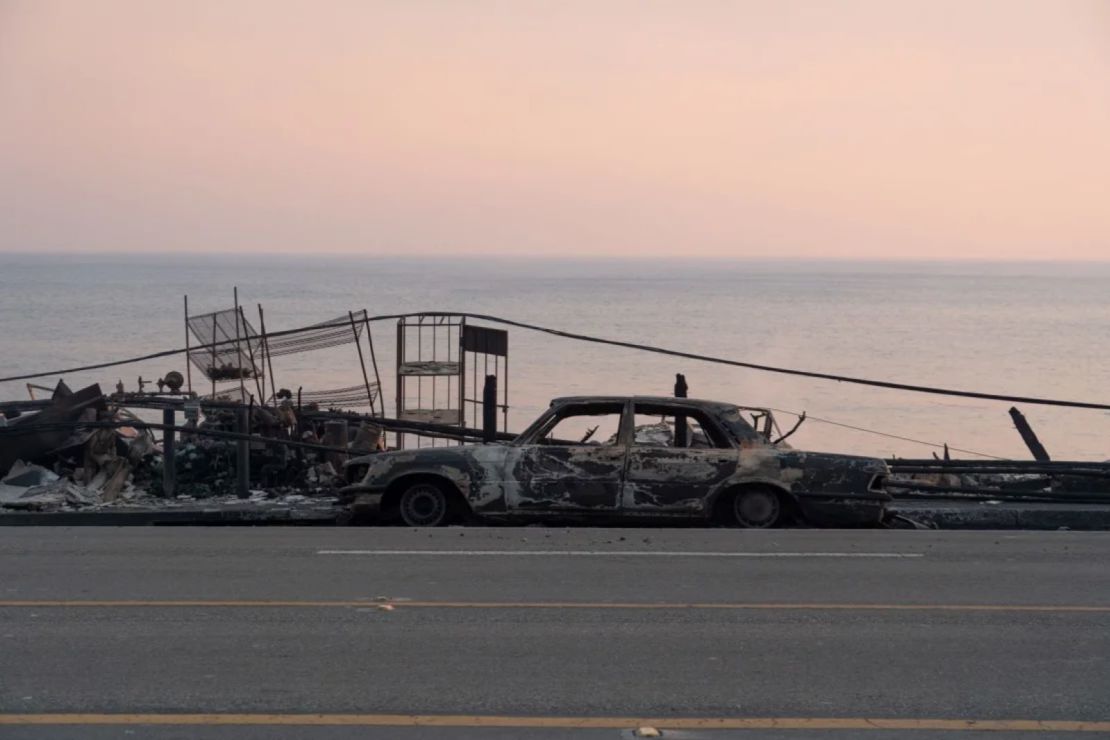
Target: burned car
620, 457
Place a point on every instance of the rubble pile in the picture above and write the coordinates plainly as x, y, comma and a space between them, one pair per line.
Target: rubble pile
86, 451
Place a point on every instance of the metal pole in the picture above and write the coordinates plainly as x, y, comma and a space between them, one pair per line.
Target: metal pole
505, 409
462, 373
680, 390
242, 454
254, 368
188, 354
362, 362
373, 358
680, 387
400, 387
266, 351
489, 410
435, 379
169, 471
238, 349
212, 374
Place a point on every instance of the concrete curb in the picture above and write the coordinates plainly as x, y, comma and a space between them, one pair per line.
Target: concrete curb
180, 516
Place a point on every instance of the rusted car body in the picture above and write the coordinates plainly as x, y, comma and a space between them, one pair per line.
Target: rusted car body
701, 460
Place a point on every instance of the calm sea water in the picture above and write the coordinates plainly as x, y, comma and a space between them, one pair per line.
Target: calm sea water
1023, 329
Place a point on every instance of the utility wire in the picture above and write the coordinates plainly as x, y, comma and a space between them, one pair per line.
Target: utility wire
934, 390
876, 432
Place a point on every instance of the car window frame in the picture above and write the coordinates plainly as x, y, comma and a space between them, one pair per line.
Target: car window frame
708, 422
534, 434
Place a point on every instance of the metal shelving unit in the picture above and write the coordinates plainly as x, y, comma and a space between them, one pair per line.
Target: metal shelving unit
438, 357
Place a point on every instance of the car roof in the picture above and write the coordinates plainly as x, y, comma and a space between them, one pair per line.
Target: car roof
647, 399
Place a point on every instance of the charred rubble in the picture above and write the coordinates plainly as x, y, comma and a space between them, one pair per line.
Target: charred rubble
84, 450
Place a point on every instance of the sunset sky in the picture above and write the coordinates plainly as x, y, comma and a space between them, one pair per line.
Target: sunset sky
900, 130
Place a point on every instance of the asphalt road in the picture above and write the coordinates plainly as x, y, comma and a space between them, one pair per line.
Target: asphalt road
770, 634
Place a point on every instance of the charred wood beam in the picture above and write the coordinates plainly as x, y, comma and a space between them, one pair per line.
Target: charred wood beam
1028, 435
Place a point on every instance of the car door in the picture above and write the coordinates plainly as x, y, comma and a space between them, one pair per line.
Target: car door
574, 461
670, 471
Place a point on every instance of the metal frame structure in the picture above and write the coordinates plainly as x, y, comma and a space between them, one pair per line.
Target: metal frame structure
256, 362
430, 361
437, 358
216, 354
339, 331
482, 343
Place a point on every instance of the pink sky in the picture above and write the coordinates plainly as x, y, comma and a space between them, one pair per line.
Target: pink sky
718, 129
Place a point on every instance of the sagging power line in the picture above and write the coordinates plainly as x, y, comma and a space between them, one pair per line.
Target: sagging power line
890, 385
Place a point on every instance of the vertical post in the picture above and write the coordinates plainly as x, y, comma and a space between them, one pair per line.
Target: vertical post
258, 385
213, 371
373, 360
400, 387
505, 407
680, 391
362, 363
239, 350
169, 471
188, 354
435, 380
242, 453
462, 375
335, 435
489, 409
266, 352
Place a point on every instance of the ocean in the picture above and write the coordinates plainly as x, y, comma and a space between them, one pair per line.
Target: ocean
1026, 329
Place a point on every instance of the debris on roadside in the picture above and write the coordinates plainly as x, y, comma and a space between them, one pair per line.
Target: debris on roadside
41, 433
87, 451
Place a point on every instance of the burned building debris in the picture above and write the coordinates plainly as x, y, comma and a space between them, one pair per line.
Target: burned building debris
243, 438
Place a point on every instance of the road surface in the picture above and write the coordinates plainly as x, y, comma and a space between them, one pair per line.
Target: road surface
397, 633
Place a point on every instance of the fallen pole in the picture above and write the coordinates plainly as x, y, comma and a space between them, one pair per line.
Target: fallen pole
1028, 436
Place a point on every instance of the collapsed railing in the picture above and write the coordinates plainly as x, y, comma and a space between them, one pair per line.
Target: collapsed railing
1029, 481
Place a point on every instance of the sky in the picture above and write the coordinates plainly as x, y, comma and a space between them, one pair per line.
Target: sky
942, 129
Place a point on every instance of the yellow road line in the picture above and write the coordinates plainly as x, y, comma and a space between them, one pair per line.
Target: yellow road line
665, 723
403, 604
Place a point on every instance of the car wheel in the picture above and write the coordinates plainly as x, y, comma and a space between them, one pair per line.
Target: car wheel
757, 508
424, 505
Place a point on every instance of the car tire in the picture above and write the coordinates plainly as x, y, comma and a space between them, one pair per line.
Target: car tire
424, 504
757, 508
